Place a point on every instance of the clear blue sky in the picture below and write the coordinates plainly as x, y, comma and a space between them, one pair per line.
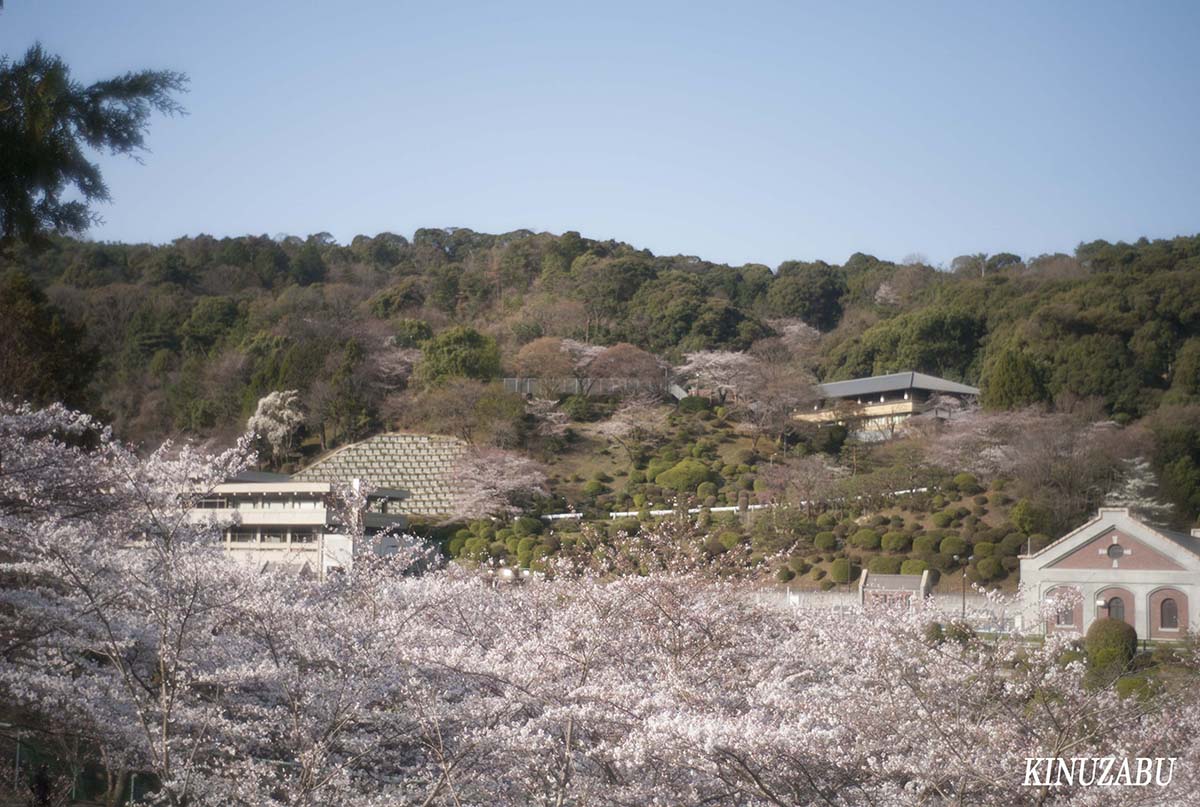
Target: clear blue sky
738, 132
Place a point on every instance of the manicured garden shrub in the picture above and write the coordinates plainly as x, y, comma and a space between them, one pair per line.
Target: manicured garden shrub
941, 519
841, 571
865, 539
1110, 643
896, 542
594, 487
989, 569
685, 476
967, 483
913, 566
1011, 545
984, 549
825, 541
923, 544
784, 575
826, 520
953, 545
706, 489
693, 403
817, 574
628, 525
527, 525
884, 564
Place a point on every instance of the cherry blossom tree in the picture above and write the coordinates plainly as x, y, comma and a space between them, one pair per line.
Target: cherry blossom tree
719, 371
276, 420
495, 482
639, 419
638, 669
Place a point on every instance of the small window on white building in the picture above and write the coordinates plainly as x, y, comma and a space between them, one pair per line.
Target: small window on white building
1065, 617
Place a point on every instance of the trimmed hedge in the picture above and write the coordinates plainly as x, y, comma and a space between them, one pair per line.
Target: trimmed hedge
896, 542
913, 566
925, 543
989, 569
884, 564
866, 539
825, 541
840, 571
685, 476
1109, 643
953, 545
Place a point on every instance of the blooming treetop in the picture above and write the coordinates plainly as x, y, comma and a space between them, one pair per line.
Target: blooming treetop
130, 631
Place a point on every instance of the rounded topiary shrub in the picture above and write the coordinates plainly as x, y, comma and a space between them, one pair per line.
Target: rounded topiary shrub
706, 489
967, 483
817, 574
729, 539
895, 542
1110, 643
953, 545
923, 544
865, 539
884, 564
913, 566
825, 541
841, 571
826, 520
1012, 544
985, 549
685, 475
798, 564
942, 519
989, 569
784, 575
594, 487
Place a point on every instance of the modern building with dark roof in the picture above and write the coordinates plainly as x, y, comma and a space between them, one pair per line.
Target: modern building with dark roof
875, 406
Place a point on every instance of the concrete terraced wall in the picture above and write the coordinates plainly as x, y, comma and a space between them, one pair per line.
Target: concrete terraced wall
419, 464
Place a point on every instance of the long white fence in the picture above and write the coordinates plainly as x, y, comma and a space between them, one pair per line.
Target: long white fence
697, 510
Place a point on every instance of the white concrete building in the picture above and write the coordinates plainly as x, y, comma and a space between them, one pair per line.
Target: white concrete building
1125, 569
277, 523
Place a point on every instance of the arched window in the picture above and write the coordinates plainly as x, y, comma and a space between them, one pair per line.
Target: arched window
1116, 609
1169, 613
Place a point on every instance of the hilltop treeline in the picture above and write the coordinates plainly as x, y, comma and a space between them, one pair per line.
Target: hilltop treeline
187, 336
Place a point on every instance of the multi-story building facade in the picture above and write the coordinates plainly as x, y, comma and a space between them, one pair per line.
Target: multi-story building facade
274, 522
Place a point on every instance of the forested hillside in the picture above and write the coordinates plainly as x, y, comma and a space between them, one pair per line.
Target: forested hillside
187, 336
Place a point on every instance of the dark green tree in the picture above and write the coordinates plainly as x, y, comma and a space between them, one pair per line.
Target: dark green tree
1012, 380
49, 123
459, 352
811, 291
42, 358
